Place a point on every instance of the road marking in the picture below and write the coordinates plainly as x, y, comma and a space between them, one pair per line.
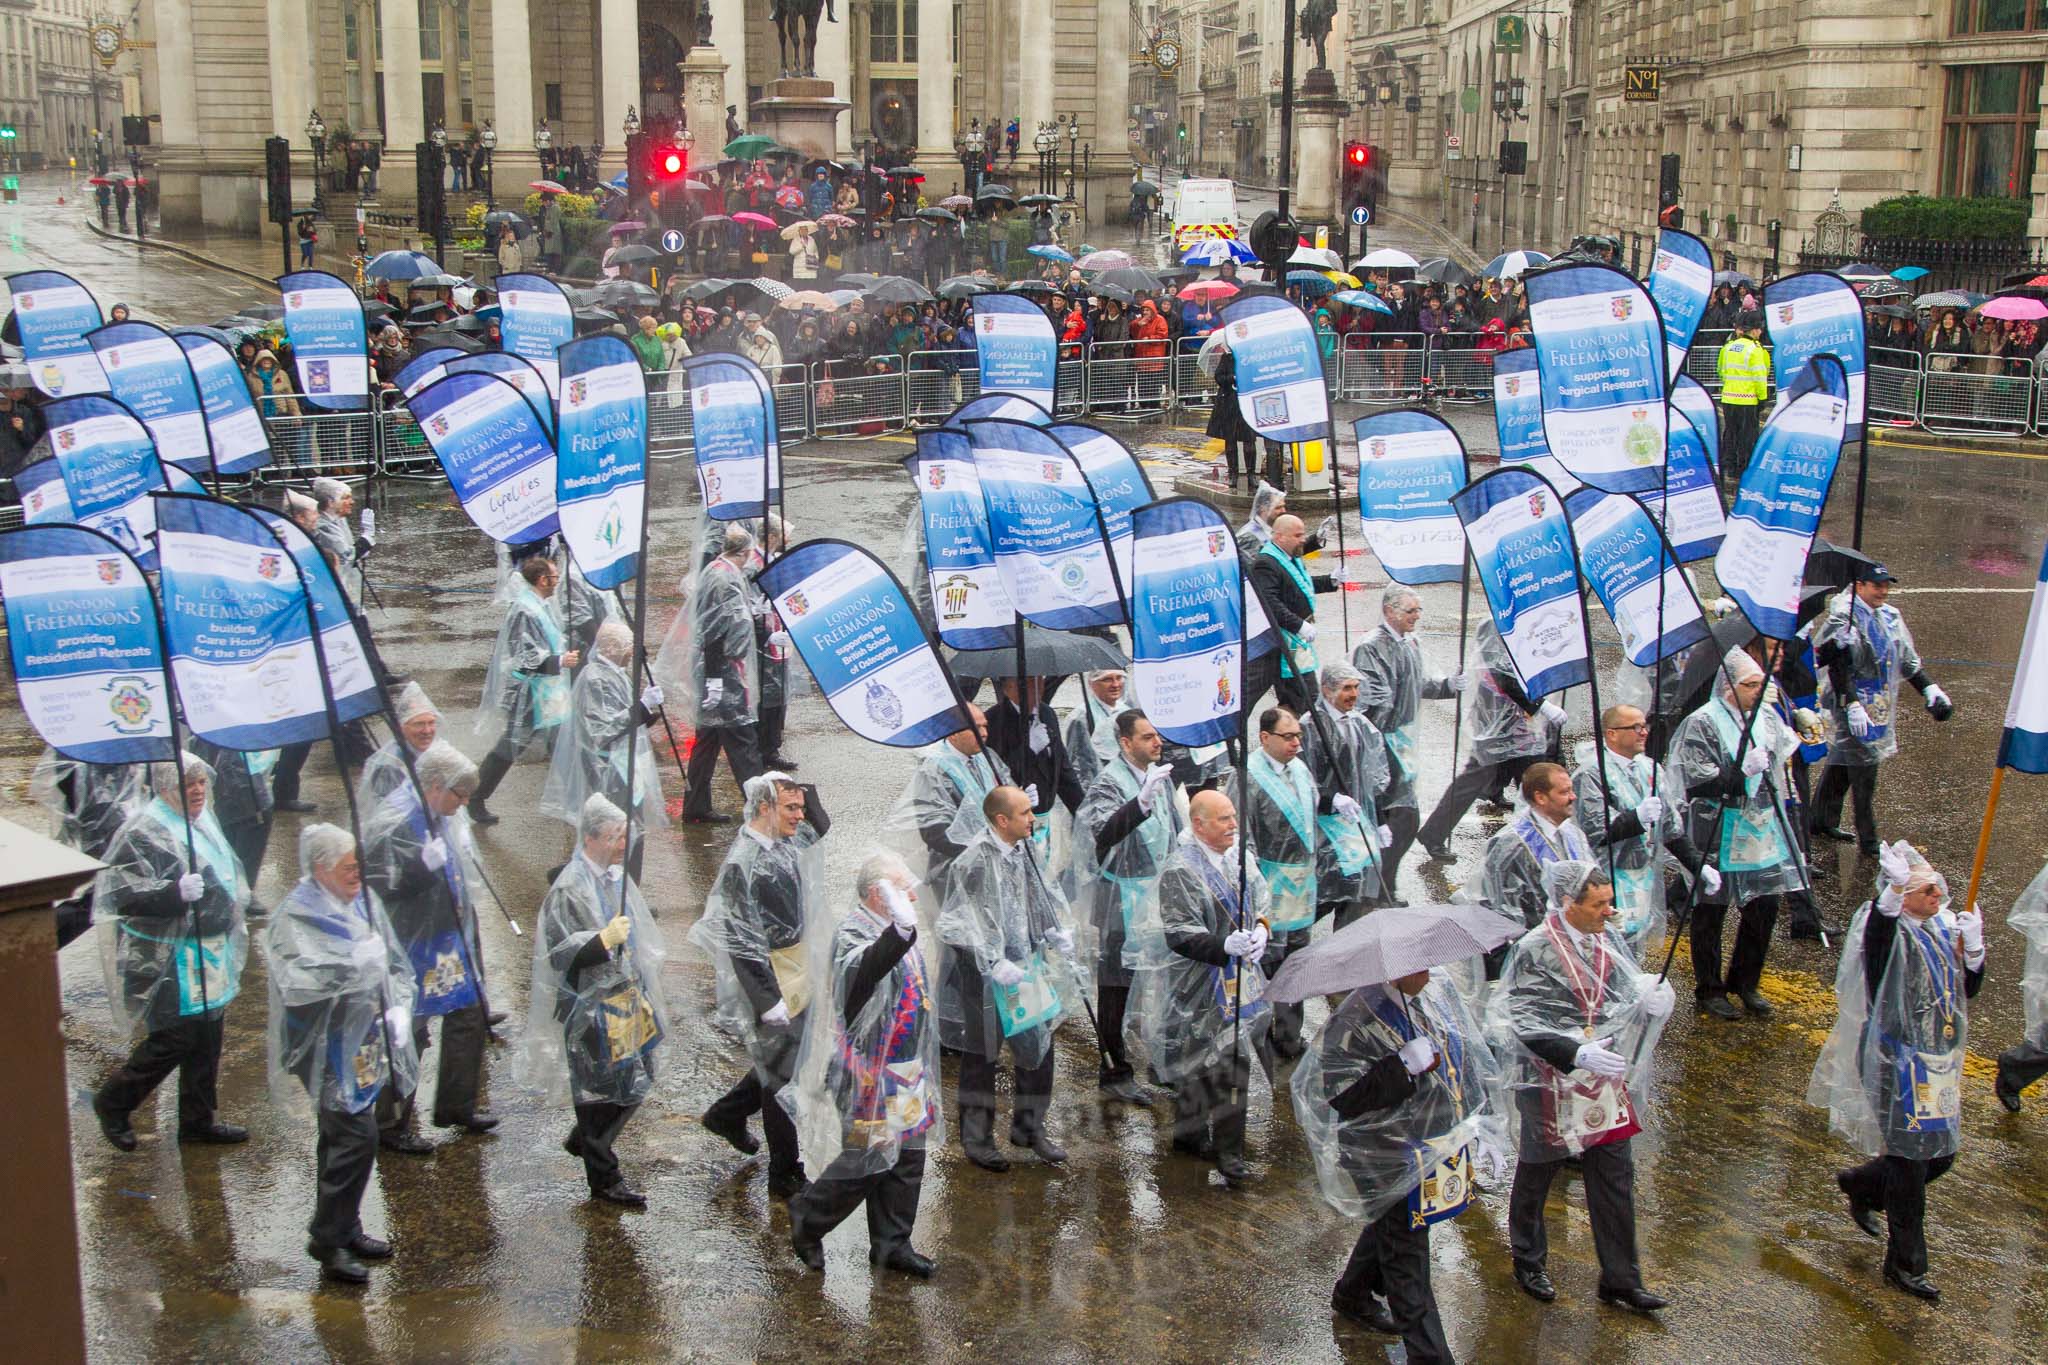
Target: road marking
1900, 592
1960, 450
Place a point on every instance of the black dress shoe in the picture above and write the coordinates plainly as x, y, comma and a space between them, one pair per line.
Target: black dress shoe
1204, 1149
482, 1121
734, 1133
1720, 1006
1835, 833
1290, 1049
480, 815
115, 1128
808, 1250
1868, 850
781, 764
370, 1248
1235, 1173
1366, 1312
497, 1017
215, 1134
1536, 1284
339, 1263
1126, 1090
906, 1260
712, 819
1438, 852
1919, 1286
1635, 1300
1041, 1146
412, 1144
573, 1144
788, 1184
985, 1156
2008, 1093
295, 805
622, 1194
1756, 1004
1864, 1214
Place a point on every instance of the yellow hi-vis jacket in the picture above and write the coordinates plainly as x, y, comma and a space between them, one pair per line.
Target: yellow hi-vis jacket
1745, 370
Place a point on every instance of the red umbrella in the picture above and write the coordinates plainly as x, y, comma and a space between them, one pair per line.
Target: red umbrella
753, 220
789, 197
548, 186
100, 180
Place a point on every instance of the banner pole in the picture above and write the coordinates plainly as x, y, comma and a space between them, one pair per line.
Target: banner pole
1343, 574
1984, 837
640, 651
1464, 633
178, 758
1593, 686
636, 674
1862, 487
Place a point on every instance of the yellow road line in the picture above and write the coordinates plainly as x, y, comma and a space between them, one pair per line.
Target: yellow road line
1960, 450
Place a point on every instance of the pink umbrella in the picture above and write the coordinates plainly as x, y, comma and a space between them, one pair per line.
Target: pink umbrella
835, 220
2014, 309
753, 220
548, 186
628, 225
1209, 289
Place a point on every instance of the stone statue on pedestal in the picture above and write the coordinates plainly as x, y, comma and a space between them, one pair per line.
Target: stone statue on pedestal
796, 32
1313, 22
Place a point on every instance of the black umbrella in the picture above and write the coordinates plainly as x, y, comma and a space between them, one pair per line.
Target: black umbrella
469, 324
625, 294
261, 310
1143, 187
938, 215
1732, 278
1444, 270
1001, 192
1047, 653
894, 289
1703, 665
855, 279
910, 173
1031, 287
224, 338
1890, 310
706, 288
504, 218
965, 286
1035, 200
427, 314
595, 319
376, 312
710, 220
634, 255
1102, 289
1834, 566
1135, 278
447, 335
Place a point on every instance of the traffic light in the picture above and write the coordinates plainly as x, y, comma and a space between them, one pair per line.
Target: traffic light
428, 192
1181, 132
7, 133
1668, 213
1357, 160
671, 164
277, 178
637, 183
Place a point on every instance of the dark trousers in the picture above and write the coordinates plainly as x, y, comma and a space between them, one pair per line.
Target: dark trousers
890, 1196
1474, 780
2023, 1063
345, 1155
753, 1093
1609, 1172
1738, 437
249, 841
190, 1047
1391, 1261
597, 1128
769, 729
1112, 1002
1745, 961
979, 1059
459, 1078
1898, 1185
1402, 822
1232, 445
1209, 1106
742, 754
1859, 784
1287, 1019
284, 778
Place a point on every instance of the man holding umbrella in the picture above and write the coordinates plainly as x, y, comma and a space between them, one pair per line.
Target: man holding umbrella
1400, 1101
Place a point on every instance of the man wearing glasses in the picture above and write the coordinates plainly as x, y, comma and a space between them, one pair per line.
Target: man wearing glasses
1641, 813
1280, 812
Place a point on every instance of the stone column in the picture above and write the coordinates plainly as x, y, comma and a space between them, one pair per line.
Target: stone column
835, 64
706, 80
1034, 42
729, 36
1110, 143
291, 71
512, 74
177, 88
1318, 114
404, 120
618, 81
935, 93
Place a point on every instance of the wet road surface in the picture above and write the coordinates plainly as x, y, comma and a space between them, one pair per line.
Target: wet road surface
1127, 1252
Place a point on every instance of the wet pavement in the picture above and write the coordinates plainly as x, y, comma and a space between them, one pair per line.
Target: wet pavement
1126, 1252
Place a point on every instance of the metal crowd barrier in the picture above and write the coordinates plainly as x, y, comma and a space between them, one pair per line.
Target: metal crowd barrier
338, 444
933, 391
402, 449
1192, 389
1070, 383
1372, 369
1964, 402
1893, 381
1703, 360
1461, 374
1121, 382
846, 406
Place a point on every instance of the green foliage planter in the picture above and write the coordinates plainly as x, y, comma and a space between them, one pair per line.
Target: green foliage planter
1951, 220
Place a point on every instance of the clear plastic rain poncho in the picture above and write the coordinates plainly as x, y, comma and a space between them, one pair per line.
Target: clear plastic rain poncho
1280, 816
939, 812
1196, 1011
1753, 847
1256, 531
88, 801
385, 770
520, 700
999, 907
430, 908
337, 971
596, 1016
2029, 916
590, 751
1642, 861
1880, 655
1091, 735
764, 902
1114, 891
338, 543
1392, 684
1511, 879
241, 783
1345, 752
1890, 1074
867, 1083
581, 607
1562, 995
167, 960
1424, 1150
708, 665
1501, 729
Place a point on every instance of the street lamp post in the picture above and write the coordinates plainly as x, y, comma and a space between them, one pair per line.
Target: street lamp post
1073, 151
488, 140
1046, 143
316, 137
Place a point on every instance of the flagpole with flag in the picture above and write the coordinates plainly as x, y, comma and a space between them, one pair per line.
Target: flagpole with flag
2024, 745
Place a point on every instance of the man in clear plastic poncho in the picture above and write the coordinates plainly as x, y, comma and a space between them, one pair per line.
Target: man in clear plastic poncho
419, 725
342, 548
1573, 1023
1007, 929
867, 1090
1648, 835
171, 897
1347, 756
774, 647
1393, 681
1510, 730
1400, 1101
1125, 833
89, 803
711, 662
1207, 1009
1740, 820
590, 751
413, 861
1091, 729
1863, 650
1891, 1073
242, 804
584, 609
1280, 819
596, 1019
341, 993
2026, 1061
1288, 591
526, 690
763, 903
1511, 882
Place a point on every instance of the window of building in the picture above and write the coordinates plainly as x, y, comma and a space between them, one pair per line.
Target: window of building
1998, 16
430, 30
1987, 130
892, 31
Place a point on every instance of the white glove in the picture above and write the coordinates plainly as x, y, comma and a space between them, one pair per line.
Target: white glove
1595, 1057
1936, 697
1386, 834
1656, 995
1156, 778
1755, 761
778, 1015
399, 1020
1307, 632
1723, 606
191, 887
1006, 973
1040, 738
615, 874
1859, 720
901, 910
780, 640
1326, 530
1710, 879
1061, 940
1650, 811
1554, 713
714, 691
1031, 794
1895, 861
434, 853
1261, 936
615, 931
1238, 943
1346, 807
1771, 693
1459, 680
1418, 1054
1971, 925
369, 520
651, 697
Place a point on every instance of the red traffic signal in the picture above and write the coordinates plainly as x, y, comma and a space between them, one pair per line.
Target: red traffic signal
670, 164
1356, 155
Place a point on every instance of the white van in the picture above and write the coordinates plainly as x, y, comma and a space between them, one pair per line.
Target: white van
1203, 209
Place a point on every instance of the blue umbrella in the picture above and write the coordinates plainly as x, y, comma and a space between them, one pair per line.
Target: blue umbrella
1217, 250
400, 265
1362, 298
1051, 253
1313, 280
1910, 273
618, 182
1508, 266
